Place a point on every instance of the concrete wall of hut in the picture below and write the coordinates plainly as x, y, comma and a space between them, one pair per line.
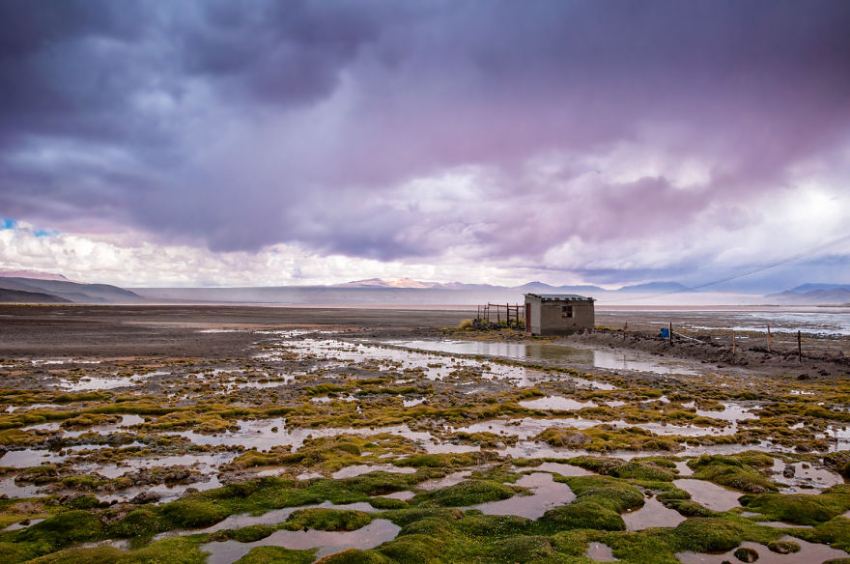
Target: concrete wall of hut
547, 317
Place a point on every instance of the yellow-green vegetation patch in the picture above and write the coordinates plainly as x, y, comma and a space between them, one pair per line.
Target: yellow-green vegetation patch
329, 454
607, 438
89, 419
277, 555
649, 469
171, 551
599, 502
835, 532
445, 460
801, 509
471, 492
322, 519
737, 471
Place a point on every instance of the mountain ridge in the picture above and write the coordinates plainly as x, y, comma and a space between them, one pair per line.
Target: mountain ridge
56, 288
52, 290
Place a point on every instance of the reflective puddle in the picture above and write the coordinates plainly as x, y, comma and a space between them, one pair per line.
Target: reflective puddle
652, 514
557, 403
566, 470
809, 552
546, 494
594, 358
732, 412
599, 552
93, 383
450, 480
683, 468
805, 478
528, 427
29, 457
707, 494
20, 525
376, 533
269, 518
360, 469
263, 434
406, 355
403, 495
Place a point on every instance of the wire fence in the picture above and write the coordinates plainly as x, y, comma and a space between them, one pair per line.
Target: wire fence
501, 315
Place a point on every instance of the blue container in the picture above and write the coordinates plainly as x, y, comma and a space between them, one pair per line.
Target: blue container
665, 333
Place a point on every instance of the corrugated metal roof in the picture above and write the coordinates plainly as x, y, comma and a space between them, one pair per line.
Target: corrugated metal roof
559, 296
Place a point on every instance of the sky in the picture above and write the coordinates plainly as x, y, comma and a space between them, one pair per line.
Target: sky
256, 143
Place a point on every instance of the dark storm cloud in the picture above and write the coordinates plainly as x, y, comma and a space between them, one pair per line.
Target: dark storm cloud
238, 125
279, 52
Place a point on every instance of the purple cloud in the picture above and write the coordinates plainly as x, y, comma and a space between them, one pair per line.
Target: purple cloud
237, 126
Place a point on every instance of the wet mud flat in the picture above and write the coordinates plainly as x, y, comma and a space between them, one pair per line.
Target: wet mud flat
276, 435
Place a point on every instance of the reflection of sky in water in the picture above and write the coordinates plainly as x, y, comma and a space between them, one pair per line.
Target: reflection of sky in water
809, 552
336, 354
549, 352
652, 514
558, 403
108, 383
377, 532
545, 494
527, 428
29, 457
712, 496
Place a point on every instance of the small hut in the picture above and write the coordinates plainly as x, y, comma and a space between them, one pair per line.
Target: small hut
558, 314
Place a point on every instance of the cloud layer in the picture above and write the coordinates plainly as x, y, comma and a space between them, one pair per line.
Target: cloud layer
576, 140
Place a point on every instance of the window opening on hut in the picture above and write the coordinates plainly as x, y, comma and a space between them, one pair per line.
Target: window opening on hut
567, 311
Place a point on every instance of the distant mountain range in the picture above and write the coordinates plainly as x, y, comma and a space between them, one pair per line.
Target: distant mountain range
652, 287
407, 283
56, 289
32, 274
813, 294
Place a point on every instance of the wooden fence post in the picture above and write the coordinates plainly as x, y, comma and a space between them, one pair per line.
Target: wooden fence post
769, 340
734, 342
671, 332
800, 346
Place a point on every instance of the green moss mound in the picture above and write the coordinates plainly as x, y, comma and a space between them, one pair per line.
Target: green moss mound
413, 548
644, 470
599, 502
277, 555
63, 529
835, 533
171, 551
139, 523
617, 495
354, 556
584, 515
322, 519
706, 534
801, 509
522, 549
737, 472
252, 533
471, 492
193, 513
